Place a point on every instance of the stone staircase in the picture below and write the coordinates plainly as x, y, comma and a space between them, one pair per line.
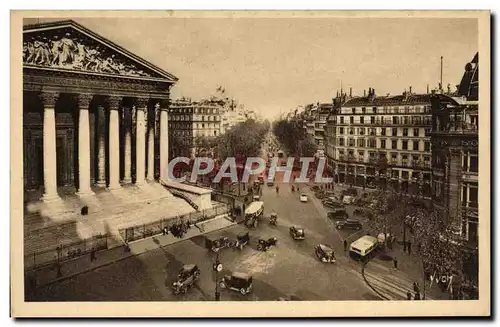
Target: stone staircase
49, 225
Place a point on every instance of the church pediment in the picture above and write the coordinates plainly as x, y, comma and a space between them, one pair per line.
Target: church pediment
69, 46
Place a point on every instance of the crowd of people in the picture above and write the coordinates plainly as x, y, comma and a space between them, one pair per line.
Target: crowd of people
178, 229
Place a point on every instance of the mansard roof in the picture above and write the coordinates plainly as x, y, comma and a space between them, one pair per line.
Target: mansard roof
69, 46
397, 100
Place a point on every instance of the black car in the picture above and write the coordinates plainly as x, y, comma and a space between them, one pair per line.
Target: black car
338, 214
297, 233
349, 224
332, 204
188, 275
238, 282
325, 253
264, 245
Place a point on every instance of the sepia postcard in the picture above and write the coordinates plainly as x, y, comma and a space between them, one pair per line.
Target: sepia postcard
250, 163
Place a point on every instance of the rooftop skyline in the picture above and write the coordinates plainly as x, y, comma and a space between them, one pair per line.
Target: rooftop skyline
273, 65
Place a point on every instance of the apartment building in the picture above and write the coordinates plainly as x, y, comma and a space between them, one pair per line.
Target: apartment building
191, 125
379, 141
454, 137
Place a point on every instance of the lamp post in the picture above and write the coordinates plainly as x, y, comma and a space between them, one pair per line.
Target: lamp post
217, 267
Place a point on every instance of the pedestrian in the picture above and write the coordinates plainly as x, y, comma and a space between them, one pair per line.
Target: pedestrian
277, 189
404, 246
409, 247
395, 260
408, 295
345, 245
417, 296
416, 287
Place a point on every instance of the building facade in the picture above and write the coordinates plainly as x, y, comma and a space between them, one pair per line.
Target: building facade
379, 141
454, 137
193, 126
94, 114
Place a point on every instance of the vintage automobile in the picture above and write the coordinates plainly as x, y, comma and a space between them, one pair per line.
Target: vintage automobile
297, 233
188, 275
261, 180
256, 197
217, 244
273, 219
338, 214
303, 197
242, 239
325, 253
331, 203
238, 282
264, 245
349, 224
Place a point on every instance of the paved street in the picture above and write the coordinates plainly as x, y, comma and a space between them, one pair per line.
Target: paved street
290, 268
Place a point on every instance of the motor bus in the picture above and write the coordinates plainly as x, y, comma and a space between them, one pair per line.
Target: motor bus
363, 248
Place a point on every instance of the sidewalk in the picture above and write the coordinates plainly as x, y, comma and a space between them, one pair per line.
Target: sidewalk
392, 284
71, 268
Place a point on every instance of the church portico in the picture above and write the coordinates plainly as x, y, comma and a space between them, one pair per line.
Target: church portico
91, 113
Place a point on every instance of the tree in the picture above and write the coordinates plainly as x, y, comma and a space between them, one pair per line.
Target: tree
289, 133
307, 147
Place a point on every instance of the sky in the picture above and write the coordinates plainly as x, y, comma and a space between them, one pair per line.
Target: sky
273, 65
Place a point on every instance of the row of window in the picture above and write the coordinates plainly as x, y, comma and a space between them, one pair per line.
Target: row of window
189, 133
395, 144
395, 120
190, 125
388, 110
395, 157
194, 110
373, 131
189, 118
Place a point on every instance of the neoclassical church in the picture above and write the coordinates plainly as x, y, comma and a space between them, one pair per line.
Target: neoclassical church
95, 129
95, 115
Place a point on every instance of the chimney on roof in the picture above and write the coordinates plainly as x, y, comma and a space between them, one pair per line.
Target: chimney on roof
427, 88
371, 94
364, 93
410, 90
350, 92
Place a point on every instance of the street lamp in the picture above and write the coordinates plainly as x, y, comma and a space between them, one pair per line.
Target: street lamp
217, 267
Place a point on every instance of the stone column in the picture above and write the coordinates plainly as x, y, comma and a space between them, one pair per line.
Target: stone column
101, 146
127, 177
114, 143
151, 144
140, 146
49, 147
84, 145
164, 140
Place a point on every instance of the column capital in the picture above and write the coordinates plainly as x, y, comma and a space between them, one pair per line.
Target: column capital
162, 105
114, 102
49, 98
141, 103
84, 100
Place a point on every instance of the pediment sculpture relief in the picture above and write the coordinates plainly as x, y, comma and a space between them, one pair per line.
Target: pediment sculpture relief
75, 53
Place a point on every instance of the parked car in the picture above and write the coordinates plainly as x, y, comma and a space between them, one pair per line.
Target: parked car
332, 203
325, 253
237, 282
347, 199
188, 275
297, 233
303, 197
349, 224
338, 214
